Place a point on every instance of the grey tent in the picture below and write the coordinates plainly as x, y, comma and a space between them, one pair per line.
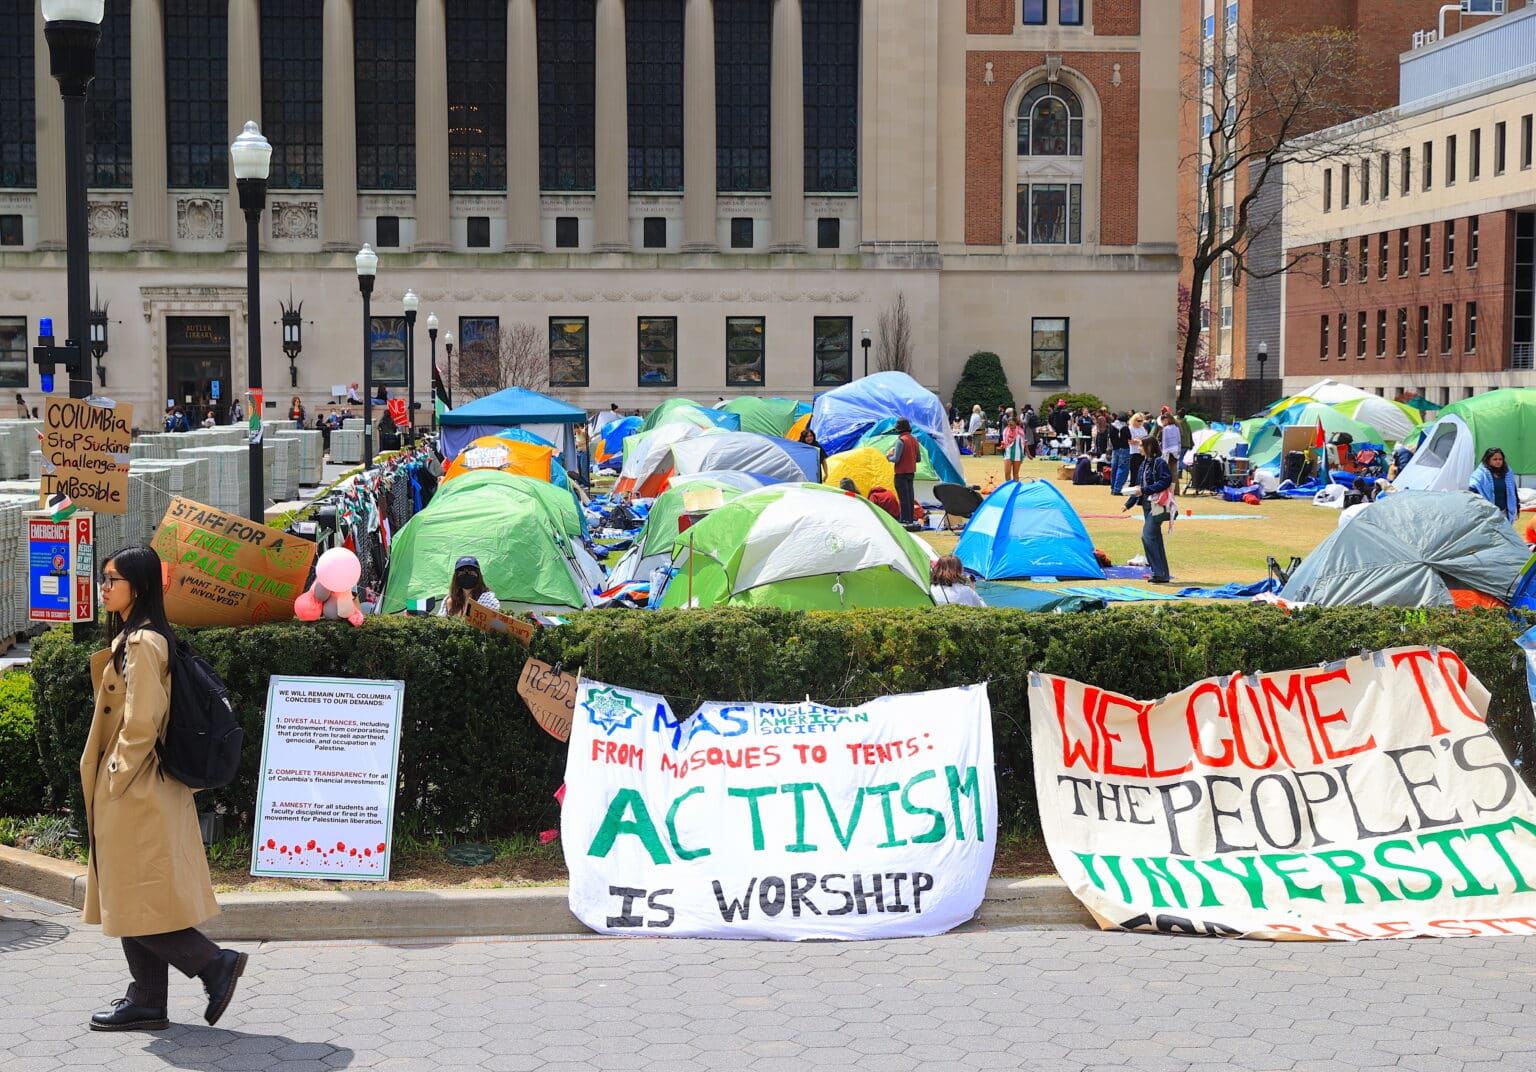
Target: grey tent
1410, 549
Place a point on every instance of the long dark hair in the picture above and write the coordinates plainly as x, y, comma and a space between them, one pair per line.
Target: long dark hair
460, 594
1489, 453
140, 568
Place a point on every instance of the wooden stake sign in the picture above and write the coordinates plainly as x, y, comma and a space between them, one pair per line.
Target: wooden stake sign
493, 621
550, 696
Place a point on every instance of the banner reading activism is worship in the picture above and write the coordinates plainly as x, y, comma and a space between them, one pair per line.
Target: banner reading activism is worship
792, 821
1363, 799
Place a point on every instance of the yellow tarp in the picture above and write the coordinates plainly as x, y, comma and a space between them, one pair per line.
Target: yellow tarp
865, 466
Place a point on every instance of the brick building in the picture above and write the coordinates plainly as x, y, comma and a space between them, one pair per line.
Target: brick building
1424, 246
1209, 36
696, 197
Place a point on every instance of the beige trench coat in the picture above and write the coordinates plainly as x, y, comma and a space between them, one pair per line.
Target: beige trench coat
148, 873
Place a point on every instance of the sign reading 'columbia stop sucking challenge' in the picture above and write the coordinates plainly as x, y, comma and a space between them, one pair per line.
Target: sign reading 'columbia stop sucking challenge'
1362, 799
226, 570
85, 453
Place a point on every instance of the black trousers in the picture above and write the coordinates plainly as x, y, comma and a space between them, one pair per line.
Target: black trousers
149, 954
905, 496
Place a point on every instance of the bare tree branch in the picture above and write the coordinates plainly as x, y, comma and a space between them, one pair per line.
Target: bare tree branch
1278, 98
518, 357
894, 330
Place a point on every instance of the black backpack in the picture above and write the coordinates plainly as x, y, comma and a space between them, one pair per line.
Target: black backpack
202, 741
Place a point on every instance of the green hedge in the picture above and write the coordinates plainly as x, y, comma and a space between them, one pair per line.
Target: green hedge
21, 770
473, 761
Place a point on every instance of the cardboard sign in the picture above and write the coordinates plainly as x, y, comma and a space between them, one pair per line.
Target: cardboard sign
85, 453
226, 570
550, 696
779, 820
493, 621
1363, 799
330, 760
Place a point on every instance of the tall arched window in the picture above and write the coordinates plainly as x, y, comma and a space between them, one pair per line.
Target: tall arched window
1049, 170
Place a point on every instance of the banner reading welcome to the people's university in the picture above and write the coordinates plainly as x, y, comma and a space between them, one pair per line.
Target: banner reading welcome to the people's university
791, 821
1362, 799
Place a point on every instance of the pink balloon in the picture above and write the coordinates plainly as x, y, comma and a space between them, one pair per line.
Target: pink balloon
338, 569
307, 608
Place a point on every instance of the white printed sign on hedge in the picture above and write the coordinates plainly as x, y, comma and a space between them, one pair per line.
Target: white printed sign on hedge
789, 821
1363, 799
330, 756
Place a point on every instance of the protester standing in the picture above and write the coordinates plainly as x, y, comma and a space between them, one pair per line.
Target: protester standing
1119, 453
1153, 495
977, 429
906, 453
147, 875
296, 412
1170, 441
1013, 448
21, 407
1493, 480
808, 437
1030, 420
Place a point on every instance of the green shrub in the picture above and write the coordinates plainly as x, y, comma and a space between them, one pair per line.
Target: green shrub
21, 766
473, 761
1075, 401
983, 383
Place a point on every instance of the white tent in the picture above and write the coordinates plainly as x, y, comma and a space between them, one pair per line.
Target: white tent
1331, 391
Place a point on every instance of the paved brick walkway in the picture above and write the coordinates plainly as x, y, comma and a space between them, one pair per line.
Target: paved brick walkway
1042, 1000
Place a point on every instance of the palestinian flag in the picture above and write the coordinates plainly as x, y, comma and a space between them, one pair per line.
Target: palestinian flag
420, 606
60, 506
441, 403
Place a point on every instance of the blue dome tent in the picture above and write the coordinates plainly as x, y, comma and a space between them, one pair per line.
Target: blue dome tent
515, 407
1027, 530
842, 415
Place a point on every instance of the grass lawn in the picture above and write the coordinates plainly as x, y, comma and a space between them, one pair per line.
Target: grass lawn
1201, 553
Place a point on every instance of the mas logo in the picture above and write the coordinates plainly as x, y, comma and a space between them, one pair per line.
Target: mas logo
610, 709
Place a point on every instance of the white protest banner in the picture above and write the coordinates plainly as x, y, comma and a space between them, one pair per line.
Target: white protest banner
791, 821
1363, 799
326, 803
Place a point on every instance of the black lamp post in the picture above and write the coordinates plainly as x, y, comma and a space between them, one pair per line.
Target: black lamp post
252, 156
99, 338
432, 335
293, 336
1263, 356
411, 303
73, 30
367, 268
448, 341
864, 342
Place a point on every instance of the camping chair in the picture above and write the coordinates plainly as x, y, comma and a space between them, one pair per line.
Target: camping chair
1279, 574
957, 501
1207, 475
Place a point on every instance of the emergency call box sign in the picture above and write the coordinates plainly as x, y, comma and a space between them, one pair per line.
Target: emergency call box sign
60, 569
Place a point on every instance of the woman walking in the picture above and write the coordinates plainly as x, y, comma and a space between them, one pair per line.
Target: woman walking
147, 876
1155, 496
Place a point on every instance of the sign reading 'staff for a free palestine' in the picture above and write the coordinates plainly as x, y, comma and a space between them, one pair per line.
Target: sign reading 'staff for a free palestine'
793, 821
222, 569
1363, 799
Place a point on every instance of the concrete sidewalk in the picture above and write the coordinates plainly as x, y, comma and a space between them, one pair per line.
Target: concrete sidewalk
305, 915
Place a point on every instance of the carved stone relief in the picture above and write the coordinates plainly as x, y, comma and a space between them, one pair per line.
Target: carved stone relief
295, 220
199, 218
108, 219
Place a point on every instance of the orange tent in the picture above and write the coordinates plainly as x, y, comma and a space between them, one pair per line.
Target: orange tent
508, 455
798, 428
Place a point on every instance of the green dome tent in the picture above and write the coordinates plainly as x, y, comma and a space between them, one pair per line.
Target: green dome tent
1264, 445
767, 416
525, 532
802, 547
687, 411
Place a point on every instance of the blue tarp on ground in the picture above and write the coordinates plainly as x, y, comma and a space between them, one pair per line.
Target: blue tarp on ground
1232, 591
1027, 530
1013, 597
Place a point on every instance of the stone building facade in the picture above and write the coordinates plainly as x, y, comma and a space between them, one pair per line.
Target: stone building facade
695, 197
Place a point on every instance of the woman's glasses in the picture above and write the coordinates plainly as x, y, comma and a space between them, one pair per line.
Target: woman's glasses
109, 579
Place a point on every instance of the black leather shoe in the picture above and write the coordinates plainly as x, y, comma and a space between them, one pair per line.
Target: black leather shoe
124, 1015
219, 980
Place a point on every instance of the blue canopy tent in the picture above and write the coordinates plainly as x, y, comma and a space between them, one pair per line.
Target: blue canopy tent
514, 407
1027, 530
